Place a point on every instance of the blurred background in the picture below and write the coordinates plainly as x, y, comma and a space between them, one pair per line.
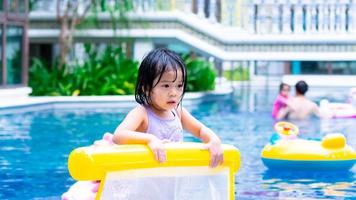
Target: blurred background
261, 42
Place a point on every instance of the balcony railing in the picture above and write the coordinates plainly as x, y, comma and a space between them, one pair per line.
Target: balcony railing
254, 16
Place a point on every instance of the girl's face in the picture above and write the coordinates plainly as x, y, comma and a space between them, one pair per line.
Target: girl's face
167, 93
285, 91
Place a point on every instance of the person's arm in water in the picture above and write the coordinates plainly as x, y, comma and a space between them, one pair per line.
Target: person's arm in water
199, 130
282, 113
128, 132
316, 111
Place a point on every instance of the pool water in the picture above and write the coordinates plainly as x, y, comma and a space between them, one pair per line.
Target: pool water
34, 146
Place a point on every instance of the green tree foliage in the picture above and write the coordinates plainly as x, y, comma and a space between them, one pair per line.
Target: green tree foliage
108, 73
201, 74
237, 74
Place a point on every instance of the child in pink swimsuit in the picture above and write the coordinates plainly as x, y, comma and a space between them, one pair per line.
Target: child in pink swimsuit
281, 100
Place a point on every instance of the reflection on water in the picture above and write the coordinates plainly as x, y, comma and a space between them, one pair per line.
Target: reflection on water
34, 147
313, 184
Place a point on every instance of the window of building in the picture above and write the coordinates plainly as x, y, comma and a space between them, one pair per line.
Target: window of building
21, 6
12, 5
14, 54
330, 68
13, 43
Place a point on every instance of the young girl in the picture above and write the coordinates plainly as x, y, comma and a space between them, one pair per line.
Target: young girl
160, 118
281, 100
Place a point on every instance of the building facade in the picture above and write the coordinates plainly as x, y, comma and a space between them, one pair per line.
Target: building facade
269, 37
14, 43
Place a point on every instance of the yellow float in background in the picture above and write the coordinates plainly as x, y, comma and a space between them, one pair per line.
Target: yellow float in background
96, 162
331, 153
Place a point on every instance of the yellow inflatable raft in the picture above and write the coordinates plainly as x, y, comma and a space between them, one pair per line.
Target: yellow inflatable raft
331, 153
130, 171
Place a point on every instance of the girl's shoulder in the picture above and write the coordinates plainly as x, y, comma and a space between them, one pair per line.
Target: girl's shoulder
140, 111
141, 108
180, 111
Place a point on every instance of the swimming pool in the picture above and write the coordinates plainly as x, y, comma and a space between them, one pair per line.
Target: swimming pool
34, 146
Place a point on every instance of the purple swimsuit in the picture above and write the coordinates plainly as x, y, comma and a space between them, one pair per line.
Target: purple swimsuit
169, 129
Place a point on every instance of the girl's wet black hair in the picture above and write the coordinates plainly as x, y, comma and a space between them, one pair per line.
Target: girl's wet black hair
154, 65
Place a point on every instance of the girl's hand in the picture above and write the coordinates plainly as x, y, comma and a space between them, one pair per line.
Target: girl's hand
216, 153
157, 148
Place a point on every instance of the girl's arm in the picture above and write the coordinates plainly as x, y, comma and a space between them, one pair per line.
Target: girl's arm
128, 132
213, 143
